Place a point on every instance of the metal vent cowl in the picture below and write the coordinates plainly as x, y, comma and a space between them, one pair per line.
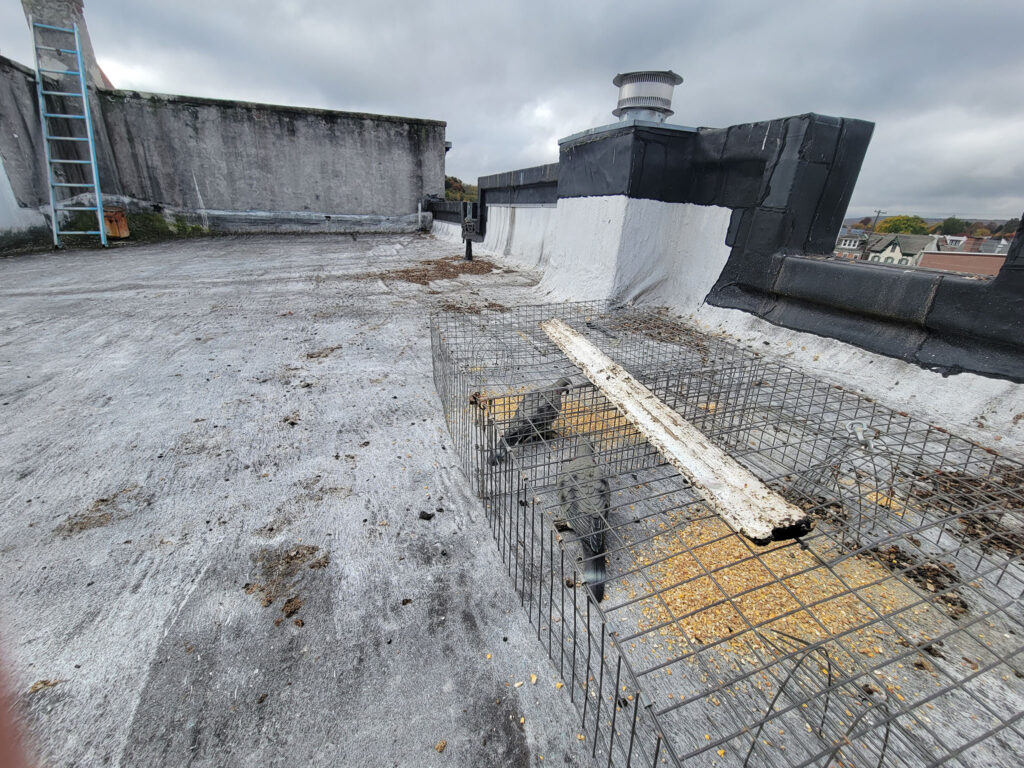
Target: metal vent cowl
645, 95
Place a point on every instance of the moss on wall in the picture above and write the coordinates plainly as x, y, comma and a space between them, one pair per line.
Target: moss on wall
143, 227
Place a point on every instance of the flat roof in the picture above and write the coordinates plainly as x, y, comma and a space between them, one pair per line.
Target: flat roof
210, 442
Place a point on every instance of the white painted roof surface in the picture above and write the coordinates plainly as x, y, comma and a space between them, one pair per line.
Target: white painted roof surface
175, 412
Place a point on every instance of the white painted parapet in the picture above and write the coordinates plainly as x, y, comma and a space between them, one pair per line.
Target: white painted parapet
626, 249
521, 233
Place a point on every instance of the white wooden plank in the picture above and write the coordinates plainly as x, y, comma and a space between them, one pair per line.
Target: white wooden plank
743, 501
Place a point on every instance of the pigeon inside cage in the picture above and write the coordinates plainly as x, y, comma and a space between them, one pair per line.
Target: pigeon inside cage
891, 633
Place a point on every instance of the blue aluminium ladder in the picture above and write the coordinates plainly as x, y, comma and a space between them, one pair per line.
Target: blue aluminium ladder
60, 134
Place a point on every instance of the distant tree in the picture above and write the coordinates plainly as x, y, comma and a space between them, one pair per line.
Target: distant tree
906, 225
1009, 228
865, 222
453, 188
981, 232
456, 189
953, 226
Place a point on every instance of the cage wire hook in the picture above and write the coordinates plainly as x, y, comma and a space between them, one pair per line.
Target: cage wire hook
847, 741
800, 657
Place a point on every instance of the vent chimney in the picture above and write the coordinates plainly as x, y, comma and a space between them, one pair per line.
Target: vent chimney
645, 95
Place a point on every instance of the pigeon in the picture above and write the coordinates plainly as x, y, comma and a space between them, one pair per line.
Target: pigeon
534, 417
584, 498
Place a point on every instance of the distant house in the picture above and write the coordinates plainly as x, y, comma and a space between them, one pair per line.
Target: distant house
882, 248
850, 244
960, 253
904, 250
994, 245
952, 242
957, 253
967, 244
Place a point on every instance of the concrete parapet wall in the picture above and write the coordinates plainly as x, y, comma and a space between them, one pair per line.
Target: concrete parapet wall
446, 231
283, 222
236, 166
199, 154
19, 227
22, 174
523, 234
21, 146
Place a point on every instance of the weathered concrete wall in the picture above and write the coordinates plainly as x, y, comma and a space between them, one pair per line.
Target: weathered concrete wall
21, 147
66, 13
230, 166
197, 154
19, 227
22, 179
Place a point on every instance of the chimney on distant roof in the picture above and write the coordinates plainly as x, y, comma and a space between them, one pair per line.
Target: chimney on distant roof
645, 95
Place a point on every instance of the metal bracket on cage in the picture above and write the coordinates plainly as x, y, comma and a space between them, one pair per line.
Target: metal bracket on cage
859, 428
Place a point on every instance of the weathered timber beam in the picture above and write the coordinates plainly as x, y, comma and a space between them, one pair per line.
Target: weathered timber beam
743, 501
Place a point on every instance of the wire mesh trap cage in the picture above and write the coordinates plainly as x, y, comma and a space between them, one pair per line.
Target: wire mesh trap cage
891, 634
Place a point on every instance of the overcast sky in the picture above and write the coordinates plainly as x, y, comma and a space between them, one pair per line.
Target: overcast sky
942, 81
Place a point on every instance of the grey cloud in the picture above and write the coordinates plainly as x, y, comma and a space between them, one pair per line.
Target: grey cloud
511, 77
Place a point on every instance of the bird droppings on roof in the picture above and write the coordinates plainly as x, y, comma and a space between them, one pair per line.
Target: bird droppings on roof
429, 270
172, 445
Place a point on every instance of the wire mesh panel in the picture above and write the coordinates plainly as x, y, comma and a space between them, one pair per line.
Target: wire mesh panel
890, 635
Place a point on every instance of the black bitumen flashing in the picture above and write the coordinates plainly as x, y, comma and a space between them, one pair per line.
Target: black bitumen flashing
524, 177
527, 186
789, 183
944, 322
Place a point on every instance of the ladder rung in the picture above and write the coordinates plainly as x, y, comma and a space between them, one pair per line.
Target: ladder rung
45, 116
50, 26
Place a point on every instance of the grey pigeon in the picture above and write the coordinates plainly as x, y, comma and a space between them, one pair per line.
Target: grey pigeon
534, 416
585, 499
